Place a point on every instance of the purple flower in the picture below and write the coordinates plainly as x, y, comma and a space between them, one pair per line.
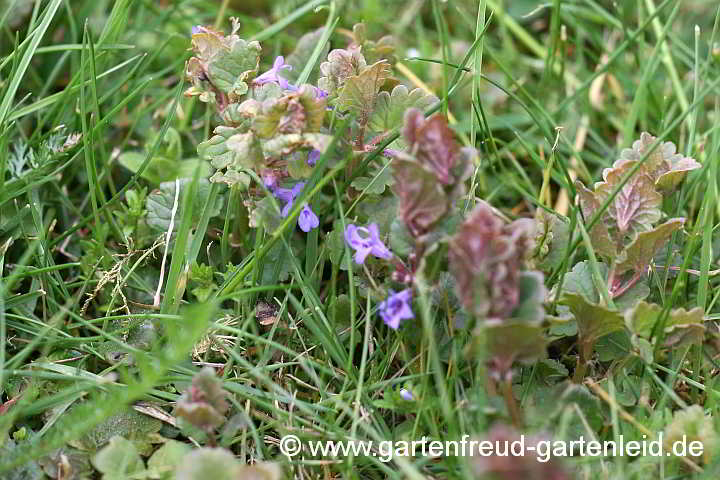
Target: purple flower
396, 308
367, 243
196, 29
319, 92
406, 394
313, 157
307, 219
270, 181
286, 195
273, 75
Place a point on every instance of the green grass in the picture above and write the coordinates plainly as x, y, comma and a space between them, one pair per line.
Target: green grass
546, 91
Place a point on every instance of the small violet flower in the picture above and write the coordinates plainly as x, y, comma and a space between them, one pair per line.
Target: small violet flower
396, 308
307, 220
406, 394
288, 196
270, 181
273, 75
367, 243
313, 157
196, 29
320, 93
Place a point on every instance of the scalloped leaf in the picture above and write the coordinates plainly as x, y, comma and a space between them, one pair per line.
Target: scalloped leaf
593, 321
636, 206
517, 341
376, 182
681, 326
222, 66
283, 145
340, 65
231, 148
162, 463
382, 49
666, 167
118, 460
159, 204
360, 91
551, 239
638, 255
209, 463
297, 112
231, 68
390, 108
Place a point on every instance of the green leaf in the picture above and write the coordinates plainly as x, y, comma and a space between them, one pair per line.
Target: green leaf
118, 460
222, 66
231, 149
401, 242
294, 113
335, 241
593, 321
28, 471
550, 371
551, 240
161, 169
283, 145
376, 183
579, 281
390, 108
638, 255
681, 326
129, 424
340, 65
209, 463
301, 56
340, 313
298, 166
359, 92
691, 424
265, 213
232, 67
511, 342
381, 210
532, 295
163, 462
159, 204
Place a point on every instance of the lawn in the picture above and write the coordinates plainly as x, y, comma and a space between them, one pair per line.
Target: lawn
245, 239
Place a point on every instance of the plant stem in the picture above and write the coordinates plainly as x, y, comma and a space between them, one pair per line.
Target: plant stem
511, 403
